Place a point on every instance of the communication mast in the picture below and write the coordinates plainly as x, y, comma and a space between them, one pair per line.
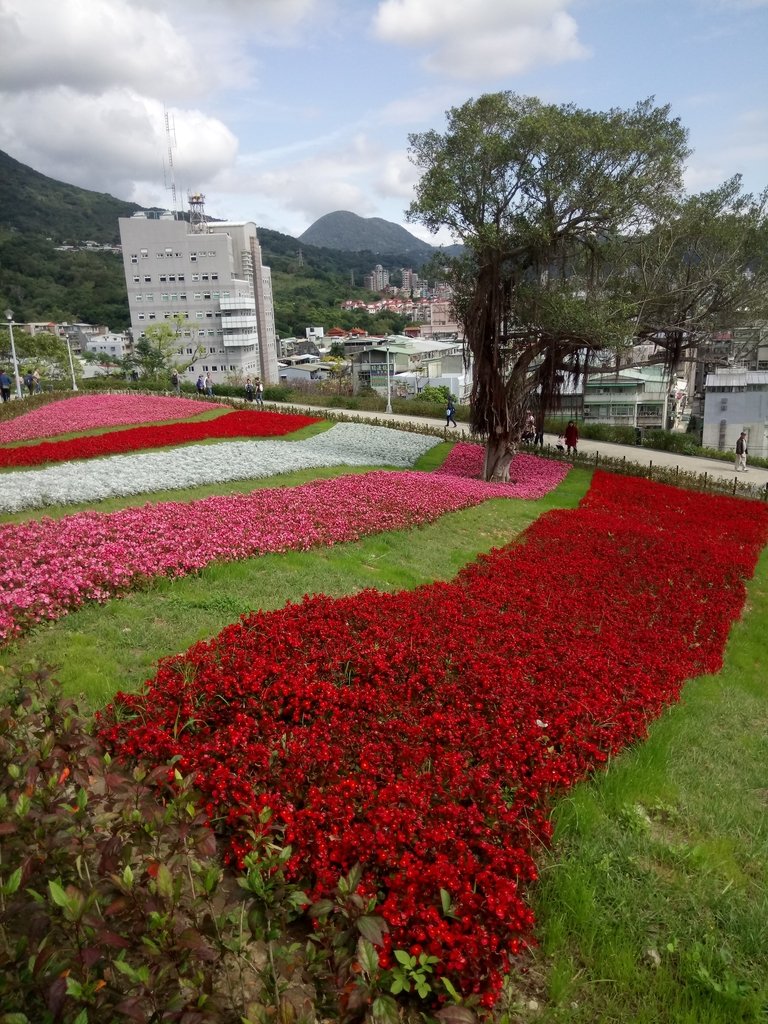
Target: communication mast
170, 135
197, 222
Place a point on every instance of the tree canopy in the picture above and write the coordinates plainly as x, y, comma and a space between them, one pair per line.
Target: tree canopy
577, 236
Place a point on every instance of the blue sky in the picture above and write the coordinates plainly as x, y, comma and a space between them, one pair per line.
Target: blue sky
284, 110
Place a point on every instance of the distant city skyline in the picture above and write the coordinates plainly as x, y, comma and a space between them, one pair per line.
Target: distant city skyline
282, 111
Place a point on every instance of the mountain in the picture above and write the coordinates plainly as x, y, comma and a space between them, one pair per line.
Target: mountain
39, 281
346, 231
32, 203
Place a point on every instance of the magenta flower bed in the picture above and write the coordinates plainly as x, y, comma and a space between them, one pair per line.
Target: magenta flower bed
529, 476
52, 566
89, 412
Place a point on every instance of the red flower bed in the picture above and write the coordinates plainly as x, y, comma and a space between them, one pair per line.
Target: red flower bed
233, 424
422, 734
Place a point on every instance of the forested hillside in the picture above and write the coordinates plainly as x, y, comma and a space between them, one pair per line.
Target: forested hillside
40, 283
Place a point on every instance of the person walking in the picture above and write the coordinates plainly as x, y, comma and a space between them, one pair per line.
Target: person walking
200, 385
571, 438
248, 389
209, 385
741, 453
450, 413
176, 382
259, 393
5, 385
29, 382
36, 379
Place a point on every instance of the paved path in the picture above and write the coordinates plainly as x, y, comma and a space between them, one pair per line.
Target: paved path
640, 456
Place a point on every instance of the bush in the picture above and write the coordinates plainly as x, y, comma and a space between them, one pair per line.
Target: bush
115, 903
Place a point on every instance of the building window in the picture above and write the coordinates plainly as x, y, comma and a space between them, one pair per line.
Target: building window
214, 277
136, 279
169, 252
214, 368
144, 253
152, 316
134, 258
181, 277
140, 316
147, 278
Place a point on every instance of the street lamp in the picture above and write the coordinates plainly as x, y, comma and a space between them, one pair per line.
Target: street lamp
9, 318
71, 364
389, 384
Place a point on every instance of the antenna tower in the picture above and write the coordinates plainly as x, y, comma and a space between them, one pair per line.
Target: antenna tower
197, 222
170, 135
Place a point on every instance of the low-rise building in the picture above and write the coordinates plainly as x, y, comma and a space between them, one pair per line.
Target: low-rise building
736, 400
640, 396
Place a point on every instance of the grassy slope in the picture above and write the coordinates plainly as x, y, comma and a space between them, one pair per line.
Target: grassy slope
652, 905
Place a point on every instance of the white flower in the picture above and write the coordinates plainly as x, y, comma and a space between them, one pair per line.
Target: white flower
90, 480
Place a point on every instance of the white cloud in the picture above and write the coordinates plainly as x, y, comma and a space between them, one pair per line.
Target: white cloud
90, 45
123, 139
489, 38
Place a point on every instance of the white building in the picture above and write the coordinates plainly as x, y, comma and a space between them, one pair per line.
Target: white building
210, 274
736, 400
640, 396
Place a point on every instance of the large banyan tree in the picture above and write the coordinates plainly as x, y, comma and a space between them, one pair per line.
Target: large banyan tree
544, 199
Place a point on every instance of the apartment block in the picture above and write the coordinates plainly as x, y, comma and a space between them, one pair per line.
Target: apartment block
211, 275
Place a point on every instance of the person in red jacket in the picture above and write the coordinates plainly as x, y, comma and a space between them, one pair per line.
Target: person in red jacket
571, 438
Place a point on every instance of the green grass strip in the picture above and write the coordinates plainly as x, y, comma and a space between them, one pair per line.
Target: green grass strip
653, 904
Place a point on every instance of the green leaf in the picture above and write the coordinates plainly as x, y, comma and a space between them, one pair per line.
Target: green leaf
399, 984
164, 882
320, 908
58, 895
74, 988
82, 1017
127, 876
445, 900
13, 883
372, 927
451, 990
385, 1011
405, 958
14, 1018
367, 957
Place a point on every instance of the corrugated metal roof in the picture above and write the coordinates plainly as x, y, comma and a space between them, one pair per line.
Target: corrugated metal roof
737, 378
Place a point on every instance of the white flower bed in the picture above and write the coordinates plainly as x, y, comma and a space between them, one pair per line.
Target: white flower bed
345, 444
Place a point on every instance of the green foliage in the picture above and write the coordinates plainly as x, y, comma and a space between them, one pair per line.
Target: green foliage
42, 284
33, 204
438, 394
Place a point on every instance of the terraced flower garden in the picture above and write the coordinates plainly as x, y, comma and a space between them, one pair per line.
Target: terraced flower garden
383, 758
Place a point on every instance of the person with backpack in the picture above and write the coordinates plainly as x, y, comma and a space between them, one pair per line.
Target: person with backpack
176, 382
450, 413
200, 385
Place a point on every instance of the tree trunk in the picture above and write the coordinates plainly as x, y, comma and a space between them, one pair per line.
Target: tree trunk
499, 453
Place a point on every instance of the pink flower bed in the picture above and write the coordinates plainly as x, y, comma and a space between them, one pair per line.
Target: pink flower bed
529, 476
89, 412
52, 566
